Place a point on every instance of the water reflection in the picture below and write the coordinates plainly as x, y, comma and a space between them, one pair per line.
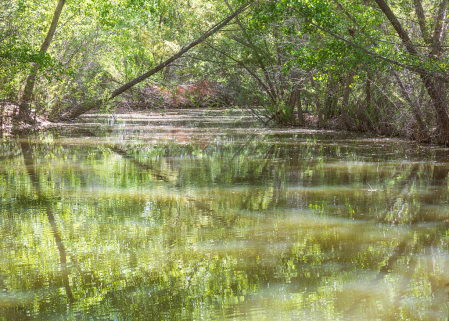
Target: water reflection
175, 218
47, 206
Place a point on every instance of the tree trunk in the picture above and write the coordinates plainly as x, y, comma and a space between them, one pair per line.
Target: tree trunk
438, 34
317, 102
415, 109
422, 21
295, 101
345, 103
82, 108
437, 92
24, 107
292, 104
331, 98
368, 92
271, 88
299, 106
435, 87
167, 73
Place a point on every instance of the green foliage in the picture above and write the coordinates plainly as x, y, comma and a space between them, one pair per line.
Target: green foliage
258, 60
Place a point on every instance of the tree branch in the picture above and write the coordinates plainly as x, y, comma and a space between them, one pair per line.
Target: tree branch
436, 38
419, 10
421, 71
82, 108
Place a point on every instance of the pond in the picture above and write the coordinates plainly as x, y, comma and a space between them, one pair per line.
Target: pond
205, 215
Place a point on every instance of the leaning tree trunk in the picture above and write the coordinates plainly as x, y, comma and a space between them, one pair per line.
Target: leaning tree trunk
24, 107
83, 108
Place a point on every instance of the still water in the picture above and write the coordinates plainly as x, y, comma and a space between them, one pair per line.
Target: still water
204, 215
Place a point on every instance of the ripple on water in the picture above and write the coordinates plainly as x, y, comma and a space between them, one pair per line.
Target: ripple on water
197, 215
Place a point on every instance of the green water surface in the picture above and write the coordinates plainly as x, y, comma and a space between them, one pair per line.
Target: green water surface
204, 215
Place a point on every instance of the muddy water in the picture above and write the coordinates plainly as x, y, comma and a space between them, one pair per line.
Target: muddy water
203, 215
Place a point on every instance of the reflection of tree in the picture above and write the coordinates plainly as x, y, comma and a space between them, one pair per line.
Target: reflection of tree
34, 176
239, 219
406, 184
123, 152
439, 184
154, 172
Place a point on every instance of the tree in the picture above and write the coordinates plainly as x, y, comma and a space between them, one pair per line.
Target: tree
75, 112
336, 28
24, 109
434, 84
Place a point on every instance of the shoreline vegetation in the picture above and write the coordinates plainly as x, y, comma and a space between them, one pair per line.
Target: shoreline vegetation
366, 66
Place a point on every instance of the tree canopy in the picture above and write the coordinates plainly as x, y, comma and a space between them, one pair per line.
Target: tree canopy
367, 65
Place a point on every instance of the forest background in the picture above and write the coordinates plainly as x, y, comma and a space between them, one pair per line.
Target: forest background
369, 65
